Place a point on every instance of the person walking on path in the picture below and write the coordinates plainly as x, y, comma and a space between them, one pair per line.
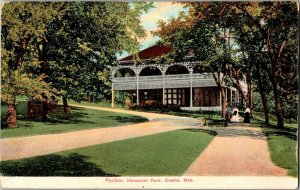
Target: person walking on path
235, 115
247, 115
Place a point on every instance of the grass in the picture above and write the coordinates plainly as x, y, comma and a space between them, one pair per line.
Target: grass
97, 104
78, 119
164, 154
21, 110
260, 116
282, 144
213, 118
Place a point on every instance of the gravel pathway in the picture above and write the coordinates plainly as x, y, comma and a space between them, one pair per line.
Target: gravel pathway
237, 150
22, 147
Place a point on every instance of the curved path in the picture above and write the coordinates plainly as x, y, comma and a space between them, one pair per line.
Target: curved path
236, 150
22, 147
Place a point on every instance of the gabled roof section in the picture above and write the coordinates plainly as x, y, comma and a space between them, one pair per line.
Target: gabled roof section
150, 52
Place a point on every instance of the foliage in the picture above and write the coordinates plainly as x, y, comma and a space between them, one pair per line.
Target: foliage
235, 37
258, 107
61, 48
121, 97
157, 106
96, 104
21, 29
81, 44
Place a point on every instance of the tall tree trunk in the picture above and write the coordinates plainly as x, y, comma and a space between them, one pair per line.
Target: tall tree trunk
238, 85
65, 103
12, 106
278, 105
219, 79
249, 89
263, 96
12, 114
224, 102
266, 107
45, 110
90, 98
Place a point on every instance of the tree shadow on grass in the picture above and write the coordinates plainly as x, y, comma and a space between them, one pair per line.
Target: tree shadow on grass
52, 165
213, 133
286, 132
127, 119
76, 116
68, 118
274, 130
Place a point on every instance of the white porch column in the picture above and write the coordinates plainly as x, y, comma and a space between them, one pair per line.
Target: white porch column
112, 94
163, 90
137, 90
191, 88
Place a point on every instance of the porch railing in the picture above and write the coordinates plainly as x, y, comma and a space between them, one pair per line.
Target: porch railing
170, 81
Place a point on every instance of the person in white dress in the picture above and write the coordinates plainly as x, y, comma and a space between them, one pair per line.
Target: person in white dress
235, 115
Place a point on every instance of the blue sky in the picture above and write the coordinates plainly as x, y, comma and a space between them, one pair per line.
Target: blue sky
161, 11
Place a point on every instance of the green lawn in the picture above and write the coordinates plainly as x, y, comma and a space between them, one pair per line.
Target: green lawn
21, 110
215, 118
78, 119
282, 143
97, 104
164, 154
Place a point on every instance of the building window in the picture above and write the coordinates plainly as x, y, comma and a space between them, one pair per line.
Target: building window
206, 97
155, 94
175, 97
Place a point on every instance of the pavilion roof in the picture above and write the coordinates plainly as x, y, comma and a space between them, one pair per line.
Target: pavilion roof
150, 52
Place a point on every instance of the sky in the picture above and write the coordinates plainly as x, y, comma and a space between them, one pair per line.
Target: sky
161, 11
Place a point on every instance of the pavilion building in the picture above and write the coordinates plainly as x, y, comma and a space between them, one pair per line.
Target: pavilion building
181, 83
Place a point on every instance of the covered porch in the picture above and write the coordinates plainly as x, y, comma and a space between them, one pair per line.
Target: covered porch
183, 84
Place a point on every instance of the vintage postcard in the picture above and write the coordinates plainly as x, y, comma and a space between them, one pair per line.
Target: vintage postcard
149, 95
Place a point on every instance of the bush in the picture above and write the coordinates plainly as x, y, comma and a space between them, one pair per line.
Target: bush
128, 103
156, 106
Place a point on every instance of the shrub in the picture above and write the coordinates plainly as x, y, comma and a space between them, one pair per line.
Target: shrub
156, 106
128, 103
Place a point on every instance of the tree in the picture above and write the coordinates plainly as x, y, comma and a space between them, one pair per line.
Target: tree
21, 28
196, 33
276, 23
61, 48
266, 30
90, 34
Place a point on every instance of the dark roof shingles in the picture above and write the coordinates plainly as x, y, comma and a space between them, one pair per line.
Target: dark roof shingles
149, 53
